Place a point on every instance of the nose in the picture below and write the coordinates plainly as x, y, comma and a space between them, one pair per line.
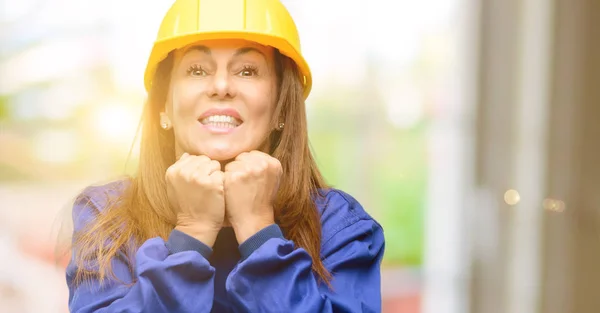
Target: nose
222, 86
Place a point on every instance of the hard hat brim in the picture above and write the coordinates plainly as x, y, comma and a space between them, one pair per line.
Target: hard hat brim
162, 48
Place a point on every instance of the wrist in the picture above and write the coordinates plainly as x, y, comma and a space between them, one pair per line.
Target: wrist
207, 234
250, 227
181, 242
257, 240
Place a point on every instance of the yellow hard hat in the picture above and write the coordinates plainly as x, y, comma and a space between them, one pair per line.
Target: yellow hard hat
266, 22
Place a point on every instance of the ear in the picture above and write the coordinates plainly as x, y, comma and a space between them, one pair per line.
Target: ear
165, 121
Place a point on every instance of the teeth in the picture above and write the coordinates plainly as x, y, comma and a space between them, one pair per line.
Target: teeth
221, 125
221, 121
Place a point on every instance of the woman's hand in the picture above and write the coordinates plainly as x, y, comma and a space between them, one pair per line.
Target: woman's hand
195, 190
251, 185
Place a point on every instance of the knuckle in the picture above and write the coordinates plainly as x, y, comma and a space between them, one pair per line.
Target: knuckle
201, 180
219, 190
236, 176
217, 182
170, 172
260, 166
199, 159
203, 158
274, 162
256, 170
217, 178
215, 164
232, 166
173, 173
276, 165
189, 178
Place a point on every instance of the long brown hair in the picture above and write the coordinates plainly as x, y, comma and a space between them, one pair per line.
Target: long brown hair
141, 210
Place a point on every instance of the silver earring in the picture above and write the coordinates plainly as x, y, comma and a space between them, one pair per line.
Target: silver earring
281, 126
164, 125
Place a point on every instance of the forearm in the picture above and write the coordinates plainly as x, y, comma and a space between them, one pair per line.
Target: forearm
165, 281
277, 277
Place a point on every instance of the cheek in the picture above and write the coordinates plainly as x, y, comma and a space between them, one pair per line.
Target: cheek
183, 100
261, 113
261, 105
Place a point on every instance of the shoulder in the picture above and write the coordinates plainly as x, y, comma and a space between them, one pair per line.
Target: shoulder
339, 210
94, 199
101, 195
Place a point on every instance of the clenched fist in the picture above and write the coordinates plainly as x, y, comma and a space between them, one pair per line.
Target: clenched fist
195, 190
251, 184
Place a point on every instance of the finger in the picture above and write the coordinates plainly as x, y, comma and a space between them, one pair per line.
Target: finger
252, 158
176, 168
255, 162
217, 177
242, 156
201, 158
234, 166
258, 161
196, 161
199, 166
274, 162
208, 168
179, 161
185, 158
186, 165
272, 166
214, 166
258, 153
259, 157
229, 176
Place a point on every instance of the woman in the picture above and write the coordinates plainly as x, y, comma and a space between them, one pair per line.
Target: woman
228, 211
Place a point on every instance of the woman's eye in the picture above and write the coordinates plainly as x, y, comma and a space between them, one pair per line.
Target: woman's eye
248, 72
196, 71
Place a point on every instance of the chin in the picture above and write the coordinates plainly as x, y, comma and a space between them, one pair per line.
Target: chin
220, 154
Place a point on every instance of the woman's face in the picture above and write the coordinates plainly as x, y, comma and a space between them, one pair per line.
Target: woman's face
221, 98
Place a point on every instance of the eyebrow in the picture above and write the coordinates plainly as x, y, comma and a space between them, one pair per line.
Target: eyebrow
237, 53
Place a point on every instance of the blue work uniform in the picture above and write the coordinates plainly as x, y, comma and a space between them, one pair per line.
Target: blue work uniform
266, 273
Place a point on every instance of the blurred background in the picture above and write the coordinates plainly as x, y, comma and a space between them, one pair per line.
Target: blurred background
468, 128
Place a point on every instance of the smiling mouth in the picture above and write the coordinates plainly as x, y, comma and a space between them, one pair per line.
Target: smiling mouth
221, 121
